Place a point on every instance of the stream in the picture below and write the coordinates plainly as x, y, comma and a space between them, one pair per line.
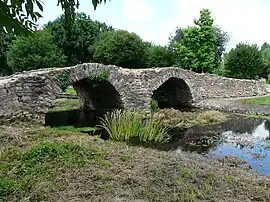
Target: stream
243, 137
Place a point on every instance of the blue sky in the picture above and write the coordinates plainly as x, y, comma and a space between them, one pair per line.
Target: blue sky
155, 20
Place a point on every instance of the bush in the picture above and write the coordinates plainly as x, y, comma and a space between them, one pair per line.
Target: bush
245, 62
120, 48
126, 125
34, 52
160, 56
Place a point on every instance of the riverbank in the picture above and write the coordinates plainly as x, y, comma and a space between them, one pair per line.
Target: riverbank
41, 163
237, 105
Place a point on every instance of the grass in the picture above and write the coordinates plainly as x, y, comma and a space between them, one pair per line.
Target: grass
123, 125
174, 118
65, 105
259, 101
45, 164
70, 90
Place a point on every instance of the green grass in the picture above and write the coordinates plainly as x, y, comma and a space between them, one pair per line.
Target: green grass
70, 90
56, 164
122, 125
65, 105
174, 118
259, 101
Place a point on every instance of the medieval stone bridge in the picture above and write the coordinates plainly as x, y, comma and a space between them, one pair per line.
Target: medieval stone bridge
31, 94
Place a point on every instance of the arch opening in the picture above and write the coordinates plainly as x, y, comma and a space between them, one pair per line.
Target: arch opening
99, 96
173, 93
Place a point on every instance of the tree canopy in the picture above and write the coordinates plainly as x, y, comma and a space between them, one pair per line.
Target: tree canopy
34, 52
245, 62
20, 16
120, 48
197, 50
76, 42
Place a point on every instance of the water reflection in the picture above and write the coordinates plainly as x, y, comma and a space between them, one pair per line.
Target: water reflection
76, 118
245, 138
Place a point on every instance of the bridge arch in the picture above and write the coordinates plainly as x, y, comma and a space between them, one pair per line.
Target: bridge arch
174, 92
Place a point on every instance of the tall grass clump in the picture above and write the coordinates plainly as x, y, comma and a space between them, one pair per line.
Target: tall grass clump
124, 125
152, 131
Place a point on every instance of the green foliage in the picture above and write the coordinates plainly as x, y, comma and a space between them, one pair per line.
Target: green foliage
265, 46
34, 52
7, 187
154, 105
5, 41
268, 79
126, 125
259, 101
198, 47
21, 16
39, 164
49, 151
120, 48
95, 78
221, 43
65, 105
160, 56
245, 61
76, 41
63, 81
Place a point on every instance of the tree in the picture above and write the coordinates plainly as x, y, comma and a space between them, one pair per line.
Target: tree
222, 38
265, 46
198, 47
20, 16
265, 50
34, 52
159, 56
5, 41
76, 43
120, 48
245, 62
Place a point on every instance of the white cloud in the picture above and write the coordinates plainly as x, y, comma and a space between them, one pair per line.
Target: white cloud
138, 10
245, 20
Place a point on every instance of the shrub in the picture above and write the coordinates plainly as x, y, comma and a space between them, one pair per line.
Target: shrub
245, 62
120, 48
268, 79
160, 56
125, 125
34, 52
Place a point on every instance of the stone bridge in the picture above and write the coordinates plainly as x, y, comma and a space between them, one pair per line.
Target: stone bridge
31, 94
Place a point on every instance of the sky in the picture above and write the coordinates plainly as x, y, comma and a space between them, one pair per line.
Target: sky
155, 20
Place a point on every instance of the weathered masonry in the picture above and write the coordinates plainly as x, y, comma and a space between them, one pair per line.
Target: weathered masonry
30, 94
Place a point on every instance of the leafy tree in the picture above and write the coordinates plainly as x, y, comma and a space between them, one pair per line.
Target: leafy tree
75, 43
265, 46
5, 41
34, 52
222, 38
120, 48
198, 47
21, 16
245, 61
265, 70
160, 56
